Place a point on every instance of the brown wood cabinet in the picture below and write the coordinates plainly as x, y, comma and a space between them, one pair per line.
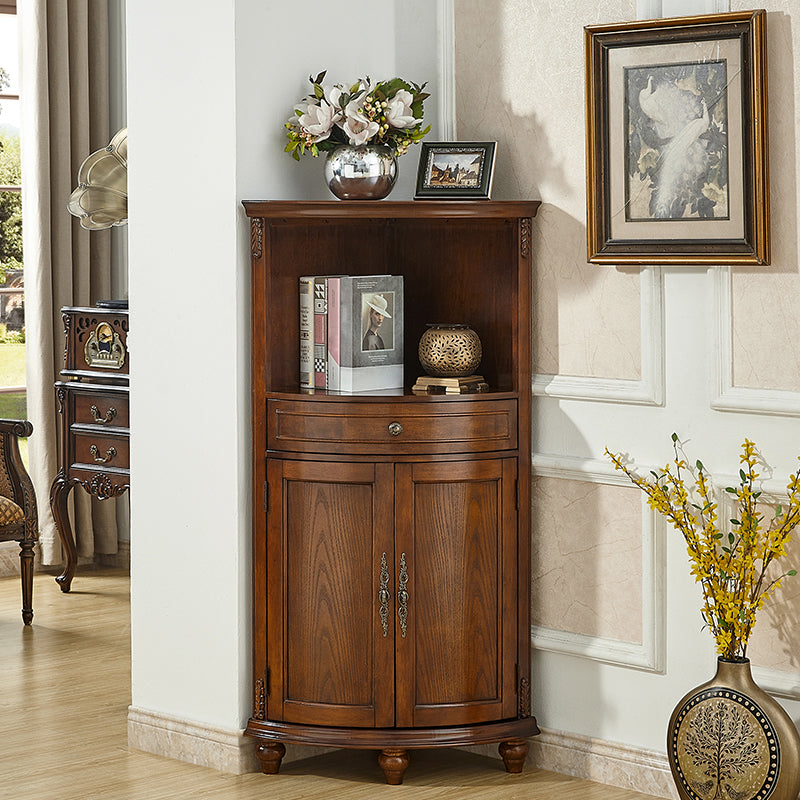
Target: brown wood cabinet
391, 548
93, 400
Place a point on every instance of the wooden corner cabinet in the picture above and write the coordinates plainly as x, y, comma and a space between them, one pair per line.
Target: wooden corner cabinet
391, 548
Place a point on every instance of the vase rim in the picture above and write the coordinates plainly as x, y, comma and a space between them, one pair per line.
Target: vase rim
447, 325
735, 660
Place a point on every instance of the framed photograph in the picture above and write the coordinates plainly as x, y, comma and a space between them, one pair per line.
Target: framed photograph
453, 170
676, 141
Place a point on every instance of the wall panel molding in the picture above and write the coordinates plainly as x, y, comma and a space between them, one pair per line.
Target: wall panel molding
724, 395
647, 391
447, 69
649, 655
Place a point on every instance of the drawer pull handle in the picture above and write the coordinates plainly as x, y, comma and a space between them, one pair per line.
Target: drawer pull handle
110, 414
395, 428
110, 453
402, 596
384, 597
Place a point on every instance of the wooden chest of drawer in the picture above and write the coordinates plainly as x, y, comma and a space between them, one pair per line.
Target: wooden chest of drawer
391, 427
93, 398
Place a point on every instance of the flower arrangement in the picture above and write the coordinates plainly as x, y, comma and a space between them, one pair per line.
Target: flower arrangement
388, 112
730, 563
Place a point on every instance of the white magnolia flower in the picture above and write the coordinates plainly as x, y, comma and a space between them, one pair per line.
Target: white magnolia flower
318, 119
398, 110
358, 127
332, 95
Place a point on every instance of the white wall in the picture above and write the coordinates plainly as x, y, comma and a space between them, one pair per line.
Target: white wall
624, 357
209, 88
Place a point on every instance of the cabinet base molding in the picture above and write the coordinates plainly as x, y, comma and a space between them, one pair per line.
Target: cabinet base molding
393, 743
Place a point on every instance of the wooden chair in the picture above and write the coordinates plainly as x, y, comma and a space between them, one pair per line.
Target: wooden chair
18, 517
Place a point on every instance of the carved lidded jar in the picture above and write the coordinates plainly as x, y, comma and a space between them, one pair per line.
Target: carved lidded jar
450, 350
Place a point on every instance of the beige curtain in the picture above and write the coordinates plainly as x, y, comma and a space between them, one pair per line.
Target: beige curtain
65, 108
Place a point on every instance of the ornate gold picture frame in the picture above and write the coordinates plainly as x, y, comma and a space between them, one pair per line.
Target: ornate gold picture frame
676, 141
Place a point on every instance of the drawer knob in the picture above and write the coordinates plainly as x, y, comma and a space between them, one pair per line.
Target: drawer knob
110, 453
110, 414
395, 428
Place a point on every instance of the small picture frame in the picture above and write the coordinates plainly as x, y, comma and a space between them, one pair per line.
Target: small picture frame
455, 170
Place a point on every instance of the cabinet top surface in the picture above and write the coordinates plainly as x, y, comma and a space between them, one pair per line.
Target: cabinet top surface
391, 209
90, 310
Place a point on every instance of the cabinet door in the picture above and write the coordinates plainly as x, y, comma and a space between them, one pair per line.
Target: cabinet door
330, 651
455, 557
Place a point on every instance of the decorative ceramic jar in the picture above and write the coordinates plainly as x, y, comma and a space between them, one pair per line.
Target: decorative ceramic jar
729, 740
449, 351
364, 172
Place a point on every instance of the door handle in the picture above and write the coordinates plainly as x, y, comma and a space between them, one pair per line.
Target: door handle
402, 596
384, 596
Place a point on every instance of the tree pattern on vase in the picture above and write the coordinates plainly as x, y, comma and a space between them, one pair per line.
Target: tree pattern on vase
726, 747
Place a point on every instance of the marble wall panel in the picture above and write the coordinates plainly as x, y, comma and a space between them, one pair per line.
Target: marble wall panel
587, 558
766, 322
775, 640
527, 93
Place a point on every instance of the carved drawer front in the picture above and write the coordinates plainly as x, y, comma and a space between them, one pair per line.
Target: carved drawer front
392, 428
107, 409
99, 451
102, 483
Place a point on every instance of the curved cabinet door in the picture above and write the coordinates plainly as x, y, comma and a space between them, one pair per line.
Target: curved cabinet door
456, 554
330, 658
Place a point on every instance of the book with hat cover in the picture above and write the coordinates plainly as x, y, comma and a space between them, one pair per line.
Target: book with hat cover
365, 343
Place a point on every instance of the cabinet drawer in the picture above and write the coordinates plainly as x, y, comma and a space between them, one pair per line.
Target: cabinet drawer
101, 408
99, 450
392, 428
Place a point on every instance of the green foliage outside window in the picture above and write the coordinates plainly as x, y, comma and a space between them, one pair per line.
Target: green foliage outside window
10, 206
10, 202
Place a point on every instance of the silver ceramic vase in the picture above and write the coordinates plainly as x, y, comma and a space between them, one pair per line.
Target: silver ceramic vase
363, 172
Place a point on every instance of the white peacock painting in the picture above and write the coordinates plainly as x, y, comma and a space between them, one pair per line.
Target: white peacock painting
677, 142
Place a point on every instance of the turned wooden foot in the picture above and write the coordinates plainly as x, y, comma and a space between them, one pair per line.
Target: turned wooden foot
513, 753
269, 756
394, 763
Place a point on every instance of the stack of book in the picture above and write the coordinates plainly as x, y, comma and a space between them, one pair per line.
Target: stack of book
351, 332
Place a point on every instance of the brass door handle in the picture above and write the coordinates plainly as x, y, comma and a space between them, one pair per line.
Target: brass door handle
395, 428
402, 596
384, 596
110, 414
110, 453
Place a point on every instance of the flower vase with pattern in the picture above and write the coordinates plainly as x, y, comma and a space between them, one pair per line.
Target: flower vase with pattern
729, 740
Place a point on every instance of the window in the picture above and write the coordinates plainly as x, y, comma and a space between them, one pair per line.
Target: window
12, 299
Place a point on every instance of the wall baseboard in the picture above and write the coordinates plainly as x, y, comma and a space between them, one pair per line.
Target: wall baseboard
615, 764
596, 760
223, 749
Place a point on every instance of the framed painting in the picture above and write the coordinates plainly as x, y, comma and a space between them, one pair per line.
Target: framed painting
453, 170
676, 141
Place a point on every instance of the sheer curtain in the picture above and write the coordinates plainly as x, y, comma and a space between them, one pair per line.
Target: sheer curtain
65, 116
